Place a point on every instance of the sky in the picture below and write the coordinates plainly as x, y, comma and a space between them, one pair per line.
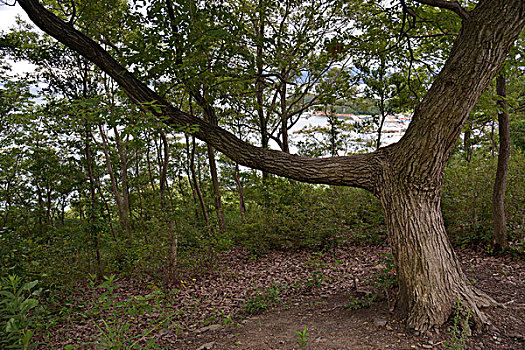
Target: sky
8, 15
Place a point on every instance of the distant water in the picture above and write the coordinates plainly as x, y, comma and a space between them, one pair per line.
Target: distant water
394, 129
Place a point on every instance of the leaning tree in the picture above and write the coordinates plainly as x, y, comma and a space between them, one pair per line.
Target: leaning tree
406, 177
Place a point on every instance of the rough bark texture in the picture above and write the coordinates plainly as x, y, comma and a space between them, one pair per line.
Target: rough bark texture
217, 200
407, 176
429, 275
498, 195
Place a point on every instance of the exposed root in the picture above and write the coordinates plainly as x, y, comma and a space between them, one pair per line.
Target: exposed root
424, 316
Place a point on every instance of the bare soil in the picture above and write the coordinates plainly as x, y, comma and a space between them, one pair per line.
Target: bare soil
342, 297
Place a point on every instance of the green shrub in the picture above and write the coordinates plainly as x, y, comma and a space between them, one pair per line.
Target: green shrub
467, 198
18, 312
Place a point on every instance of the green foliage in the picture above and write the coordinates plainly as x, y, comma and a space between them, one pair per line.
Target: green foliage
467, 198
302, 340
112, 315
517, 134
459, 331
65, 160
316, 267
19, 312
358, 303
386, 278
263, 299
288, 215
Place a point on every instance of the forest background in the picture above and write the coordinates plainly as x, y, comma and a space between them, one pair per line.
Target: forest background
93, 186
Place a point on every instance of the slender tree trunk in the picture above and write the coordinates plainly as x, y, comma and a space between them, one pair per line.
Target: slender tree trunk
381, 123
119, 198
242, 205
284, 113
467, 147
492, 140
259, 83
216, 189
49, 205
123, 150
63, 211
92, 219
108, 211
40, 209
211, 117
164, 163
190, 177
139, 193
500, 242
196, 184
166, 209
173, 255
150, 172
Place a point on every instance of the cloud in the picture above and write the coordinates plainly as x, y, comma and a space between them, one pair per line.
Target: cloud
8, 16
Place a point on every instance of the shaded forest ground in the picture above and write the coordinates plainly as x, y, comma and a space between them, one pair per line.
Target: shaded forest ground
342, 297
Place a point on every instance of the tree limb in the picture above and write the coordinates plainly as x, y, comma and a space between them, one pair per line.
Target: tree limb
357, 170
449, 5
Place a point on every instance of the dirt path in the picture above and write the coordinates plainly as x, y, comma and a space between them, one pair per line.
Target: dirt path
331, 324
342, 297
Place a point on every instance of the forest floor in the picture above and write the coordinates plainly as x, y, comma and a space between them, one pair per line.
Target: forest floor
339, 300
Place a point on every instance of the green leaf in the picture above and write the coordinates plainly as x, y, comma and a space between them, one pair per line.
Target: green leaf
11, 325
28, 304
29, 285
26, 341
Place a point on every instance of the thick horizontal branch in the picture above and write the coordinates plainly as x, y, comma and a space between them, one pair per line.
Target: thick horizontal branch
449, 5
357, 170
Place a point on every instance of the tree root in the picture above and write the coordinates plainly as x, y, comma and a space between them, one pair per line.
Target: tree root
423, 317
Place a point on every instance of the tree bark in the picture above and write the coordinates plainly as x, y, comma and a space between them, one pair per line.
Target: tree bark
429, 275
406, 176
123, 151
190, 177
259, 82
382, 118
196, 185
217, 200
499, 241
242, 204
164, 164
139, 193
284, 112
92, 218
122, 207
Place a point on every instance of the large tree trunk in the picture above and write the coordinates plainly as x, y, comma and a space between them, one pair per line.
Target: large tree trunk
429, 274
498, 195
